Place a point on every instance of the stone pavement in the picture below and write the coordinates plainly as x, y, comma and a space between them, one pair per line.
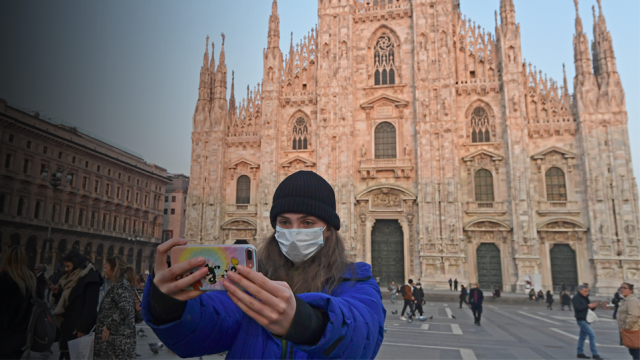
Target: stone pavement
507, 332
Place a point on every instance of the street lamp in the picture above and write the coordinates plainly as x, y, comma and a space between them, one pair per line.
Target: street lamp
54, 181
134, 237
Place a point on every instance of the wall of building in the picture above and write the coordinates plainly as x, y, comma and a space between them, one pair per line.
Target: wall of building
112, 195
175, 207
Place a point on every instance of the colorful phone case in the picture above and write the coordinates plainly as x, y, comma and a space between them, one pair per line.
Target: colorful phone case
219, 259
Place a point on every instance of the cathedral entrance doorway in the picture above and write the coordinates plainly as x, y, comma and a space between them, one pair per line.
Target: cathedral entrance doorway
489, 266
563, 267
387, 252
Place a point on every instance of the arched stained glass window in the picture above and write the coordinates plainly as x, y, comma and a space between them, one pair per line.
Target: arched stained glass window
300, 133
385, 141
556, 185
484, 186
243, 190
480, 126
384, 61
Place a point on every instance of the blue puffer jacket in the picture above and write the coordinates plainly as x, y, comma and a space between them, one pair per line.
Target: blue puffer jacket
212, 323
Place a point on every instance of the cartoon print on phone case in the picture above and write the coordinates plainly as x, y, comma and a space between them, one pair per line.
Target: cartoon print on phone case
219, 262
211, 275
231, 267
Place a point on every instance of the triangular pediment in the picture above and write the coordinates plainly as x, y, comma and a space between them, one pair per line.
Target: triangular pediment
392, 100
492, 154
250, 164
566, 153
307, 162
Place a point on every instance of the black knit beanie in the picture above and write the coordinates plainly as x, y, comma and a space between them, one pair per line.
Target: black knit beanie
305, 192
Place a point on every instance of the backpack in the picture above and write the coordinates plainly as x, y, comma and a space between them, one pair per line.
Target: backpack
41, 332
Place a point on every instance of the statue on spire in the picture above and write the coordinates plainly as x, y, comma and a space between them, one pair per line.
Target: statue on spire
223, 39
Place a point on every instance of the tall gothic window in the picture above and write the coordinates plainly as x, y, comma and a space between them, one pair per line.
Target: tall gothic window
484, 186
243, 190
480, 126
385, 141
300, 133
384, 61
556, 185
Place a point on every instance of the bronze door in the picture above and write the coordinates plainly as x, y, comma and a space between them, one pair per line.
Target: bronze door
563, 267
489, 267
387, 252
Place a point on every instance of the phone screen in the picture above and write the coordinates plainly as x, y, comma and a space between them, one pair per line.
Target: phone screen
219, 260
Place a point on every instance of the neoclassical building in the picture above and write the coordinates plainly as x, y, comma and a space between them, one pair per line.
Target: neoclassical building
105, 197
450, 155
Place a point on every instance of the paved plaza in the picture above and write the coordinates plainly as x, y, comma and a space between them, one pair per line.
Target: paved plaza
507, 332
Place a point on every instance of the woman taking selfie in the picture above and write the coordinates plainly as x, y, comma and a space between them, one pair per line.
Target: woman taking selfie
308, 301
116, 328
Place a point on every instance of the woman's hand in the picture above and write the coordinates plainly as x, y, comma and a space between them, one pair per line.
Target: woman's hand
105, 333
54, 289
274, 304
165, 278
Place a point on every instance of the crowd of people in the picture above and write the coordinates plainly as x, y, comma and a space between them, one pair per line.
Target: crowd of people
74, 299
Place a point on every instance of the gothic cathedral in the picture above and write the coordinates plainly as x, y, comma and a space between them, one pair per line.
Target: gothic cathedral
450, 156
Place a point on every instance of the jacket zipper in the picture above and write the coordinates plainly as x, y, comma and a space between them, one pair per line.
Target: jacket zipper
284, 349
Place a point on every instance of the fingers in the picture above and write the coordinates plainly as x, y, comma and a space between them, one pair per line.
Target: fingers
261, 281
176, 286
163, 250
180, 268
244, 307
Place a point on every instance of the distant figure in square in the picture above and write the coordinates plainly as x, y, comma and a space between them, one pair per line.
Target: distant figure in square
476, 297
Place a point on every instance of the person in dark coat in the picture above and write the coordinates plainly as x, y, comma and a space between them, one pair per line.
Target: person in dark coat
450, 285
463, 296
532, 294
540, 296
77, 295
616, 302
41, 281
18, 287
407, 294
549, 299
497, 293
455, 285
566, 300
418, 296
581, 307
476, 297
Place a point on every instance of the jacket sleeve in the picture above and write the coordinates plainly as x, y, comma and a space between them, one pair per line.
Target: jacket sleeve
90, 310
356, 322
209, 325
126, 308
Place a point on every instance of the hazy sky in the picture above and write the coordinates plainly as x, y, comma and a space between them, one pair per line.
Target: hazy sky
128, 70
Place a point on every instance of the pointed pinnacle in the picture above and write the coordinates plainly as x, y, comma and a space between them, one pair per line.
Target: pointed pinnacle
576, 3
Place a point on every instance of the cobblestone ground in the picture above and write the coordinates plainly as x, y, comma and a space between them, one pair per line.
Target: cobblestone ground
507, 332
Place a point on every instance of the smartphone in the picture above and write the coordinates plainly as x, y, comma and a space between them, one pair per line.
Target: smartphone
219, 260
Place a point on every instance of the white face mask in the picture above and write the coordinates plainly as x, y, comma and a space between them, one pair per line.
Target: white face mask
299, 244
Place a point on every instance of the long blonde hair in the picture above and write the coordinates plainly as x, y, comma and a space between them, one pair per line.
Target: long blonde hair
15, 263
122, 268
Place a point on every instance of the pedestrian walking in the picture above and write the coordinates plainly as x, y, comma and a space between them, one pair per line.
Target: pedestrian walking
392, 290
450, 285
476, 297
581, 307
616, 302
455, 285
532, 294
549, 300
418, 296
463, 296
407, 294
18, 287
565, 300
77, 295
115, 326
629, 320
314, 302
41, 281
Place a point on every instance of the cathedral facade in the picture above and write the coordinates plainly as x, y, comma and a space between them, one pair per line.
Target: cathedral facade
450, 156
